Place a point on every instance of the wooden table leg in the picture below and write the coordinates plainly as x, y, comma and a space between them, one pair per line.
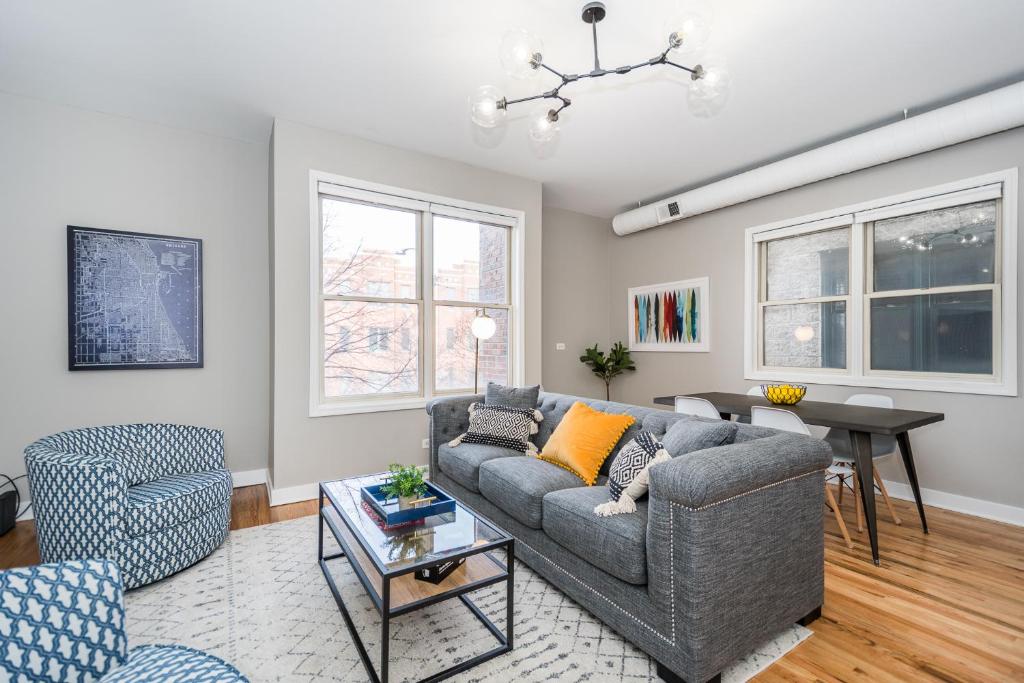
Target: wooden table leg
860, 446
908, 464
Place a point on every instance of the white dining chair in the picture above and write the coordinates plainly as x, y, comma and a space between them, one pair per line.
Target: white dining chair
882, 446
788, 421
690, 405
752, 391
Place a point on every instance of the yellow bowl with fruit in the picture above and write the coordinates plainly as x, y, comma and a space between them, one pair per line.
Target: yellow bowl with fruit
784, 394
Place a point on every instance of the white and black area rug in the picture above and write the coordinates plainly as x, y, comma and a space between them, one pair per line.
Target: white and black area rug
261, 603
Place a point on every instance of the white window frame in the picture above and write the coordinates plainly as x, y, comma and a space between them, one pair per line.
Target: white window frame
1003, 382
323, 183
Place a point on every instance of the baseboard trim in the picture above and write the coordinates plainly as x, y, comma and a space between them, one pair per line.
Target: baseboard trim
249, 477
293, 494
976, 507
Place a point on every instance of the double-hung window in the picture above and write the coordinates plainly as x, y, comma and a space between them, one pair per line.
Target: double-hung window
915, 292
397, 279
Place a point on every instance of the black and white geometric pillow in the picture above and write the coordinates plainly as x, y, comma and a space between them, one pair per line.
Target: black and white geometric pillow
628, 478
501, 426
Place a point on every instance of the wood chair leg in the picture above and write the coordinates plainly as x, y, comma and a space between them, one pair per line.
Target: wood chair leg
839, 516
885, 496
858, 503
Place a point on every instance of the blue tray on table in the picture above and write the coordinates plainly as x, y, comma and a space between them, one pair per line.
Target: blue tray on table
387, 508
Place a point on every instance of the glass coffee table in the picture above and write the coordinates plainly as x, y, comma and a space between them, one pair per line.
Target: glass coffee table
385, 560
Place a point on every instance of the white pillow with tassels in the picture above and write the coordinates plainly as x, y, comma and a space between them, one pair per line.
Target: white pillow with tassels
502, 426
629, 476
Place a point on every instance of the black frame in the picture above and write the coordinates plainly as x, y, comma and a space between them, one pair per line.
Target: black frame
382, 603
72, 281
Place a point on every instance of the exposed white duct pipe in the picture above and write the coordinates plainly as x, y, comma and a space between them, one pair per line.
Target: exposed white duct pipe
972, 118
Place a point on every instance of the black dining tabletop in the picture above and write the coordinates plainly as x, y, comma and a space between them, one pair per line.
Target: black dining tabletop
889, 421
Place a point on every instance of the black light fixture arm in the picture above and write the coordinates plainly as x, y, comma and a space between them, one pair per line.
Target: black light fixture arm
593, 13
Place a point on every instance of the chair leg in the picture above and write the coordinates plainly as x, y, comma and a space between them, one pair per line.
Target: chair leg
859, 504
885, 496
842, 485
839, 516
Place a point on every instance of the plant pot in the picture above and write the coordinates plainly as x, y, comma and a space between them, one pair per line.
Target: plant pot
406, 502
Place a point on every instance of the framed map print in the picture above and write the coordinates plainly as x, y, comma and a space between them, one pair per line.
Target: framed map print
135, 301
672, 316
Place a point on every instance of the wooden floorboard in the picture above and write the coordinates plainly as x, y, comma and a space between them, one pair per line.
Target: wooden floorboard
946, 606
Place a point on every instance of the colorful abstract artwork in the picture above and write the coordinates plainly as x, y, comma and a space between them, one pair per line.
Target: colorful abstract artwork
672, 316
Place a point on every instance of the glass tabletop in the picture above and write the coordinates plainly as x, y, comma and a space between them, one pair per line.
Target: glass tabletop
436, 538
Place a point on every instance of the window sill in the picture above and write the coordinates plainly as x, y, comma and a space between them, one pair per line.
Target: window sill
937, 384
328, 409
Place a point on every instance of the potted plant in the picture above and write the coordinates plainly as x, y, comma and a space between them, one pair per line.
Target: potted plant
405, 482
608, 367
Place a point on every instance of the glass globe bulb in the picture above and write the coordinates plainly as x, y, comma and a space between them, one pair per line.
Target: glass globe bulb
544, 125
521, 53
483, 327
687, 33
487, 107
709, 93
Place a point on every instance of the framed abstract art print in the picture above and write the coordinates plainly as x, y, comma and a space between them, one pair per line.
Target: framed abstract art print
672, 316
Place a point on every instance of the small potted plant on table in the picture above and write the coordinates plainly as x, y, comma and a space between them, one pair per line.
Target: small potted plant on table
404, 483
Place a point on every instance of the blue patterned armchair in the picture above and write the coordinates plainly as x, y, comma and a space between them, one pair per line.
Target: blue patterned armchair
154, 498
65, 622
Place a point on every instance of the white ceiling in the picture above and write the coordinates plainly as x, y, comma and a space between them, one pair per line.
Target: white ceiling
803, 72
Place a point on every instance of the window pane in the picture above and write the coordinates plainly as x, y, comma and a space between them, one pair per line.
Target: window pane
806, 266
368, 250
805, 335
933, 333
941, 248
470, 261
455, 349
370, 348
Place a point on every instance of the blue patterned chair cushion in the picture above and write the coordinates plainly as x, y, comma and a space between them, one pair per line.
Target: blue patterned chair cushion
174, 664
174, 499
61, 622
89, 501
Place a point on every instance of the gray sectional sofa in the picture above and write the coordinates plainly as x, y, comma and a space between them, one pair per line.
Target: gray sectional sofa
725, 552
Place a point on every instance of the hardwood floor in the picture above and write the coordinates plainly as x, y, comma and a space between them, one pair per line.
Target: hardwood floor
947, 606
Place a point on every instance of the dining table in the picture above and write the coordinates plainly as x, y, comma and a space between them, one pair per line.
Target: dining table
860, 421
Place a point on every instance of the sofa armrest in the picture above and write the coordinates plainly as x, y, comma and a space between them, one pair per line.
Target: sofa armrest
735, 544
449, 417
79, 503
713, 475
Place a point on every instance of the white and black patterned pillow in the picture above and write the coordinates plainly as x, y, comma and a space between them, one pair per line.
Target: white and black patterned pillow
628, 476
503, 426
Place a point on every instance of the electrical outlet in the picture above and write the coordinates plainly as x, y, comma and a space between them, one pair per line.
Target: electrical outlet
560, 346
426, 443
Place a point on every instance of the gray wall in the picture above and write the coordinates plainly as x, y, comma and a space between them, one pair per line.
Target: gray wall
576, 288
61, 166
977, 452
308, 449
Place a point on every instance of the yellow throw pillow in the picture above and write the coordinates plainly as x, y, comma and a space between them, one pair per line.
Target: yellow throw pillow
583, 439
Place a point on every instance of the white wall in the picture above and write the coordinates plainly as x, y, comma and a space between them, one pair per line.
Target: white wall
61, 166
977, 452
307, 450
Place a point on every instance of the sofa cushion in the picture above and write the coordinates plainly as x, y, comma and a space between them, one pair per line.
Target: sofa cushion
696, 434
513, 397
462, 462
173, 662
174, 499
518, 486
617, 545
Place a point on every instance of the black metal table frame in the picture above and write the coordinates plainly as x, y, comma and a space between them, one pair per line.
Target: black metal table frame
383, 602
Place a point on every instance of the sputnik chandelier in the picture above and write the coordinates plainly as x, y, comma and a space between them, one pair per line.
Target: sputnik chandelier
522, 57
